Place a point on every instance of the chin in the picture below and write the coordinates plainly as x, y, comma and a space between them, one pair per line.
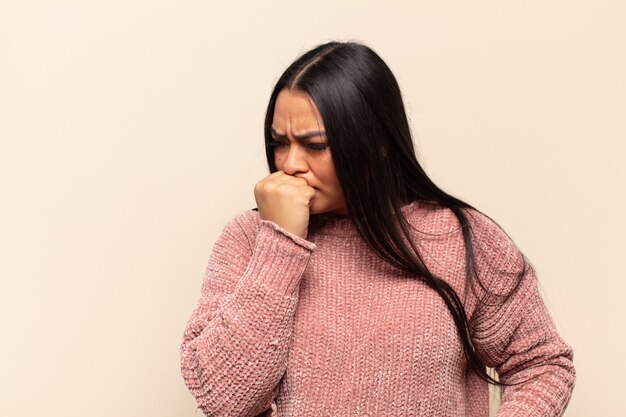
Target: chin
315, 209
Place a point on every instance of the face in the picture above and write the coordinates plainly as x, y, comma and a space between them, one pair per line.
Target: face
301, 149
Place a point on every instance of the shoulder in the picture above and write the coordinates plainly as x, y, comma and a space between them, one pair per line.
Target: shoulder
494, 251
501, 266
433, 220
493, 245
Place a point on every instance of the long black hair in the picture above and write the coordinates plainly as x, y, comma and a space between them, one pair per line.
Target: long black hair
368, 132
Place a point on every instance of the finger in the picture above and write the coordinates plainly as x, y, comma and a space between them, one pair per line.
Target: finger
309, 192
273, 177
275, 174
290, 179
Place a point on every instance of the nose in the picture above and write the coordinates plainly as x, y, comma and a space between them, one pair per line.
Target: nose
294, 160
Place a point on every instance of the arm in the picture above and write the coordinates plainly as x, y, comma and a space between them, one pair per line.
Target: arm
519, 338
235, 344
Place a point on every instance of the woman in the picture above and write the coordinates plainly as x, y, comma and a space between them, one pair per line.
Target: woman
357, 286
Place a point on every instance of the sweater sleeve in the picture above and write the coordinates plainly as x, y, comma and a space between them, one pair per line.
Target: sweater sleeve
518, 337
236, 342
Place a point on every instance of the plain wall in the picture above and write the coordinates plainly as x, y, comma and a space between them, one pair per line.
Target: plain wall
131, 131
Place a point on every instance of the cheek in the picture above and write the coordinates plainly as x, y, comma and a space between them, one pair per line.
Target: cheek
326, 173
278, 161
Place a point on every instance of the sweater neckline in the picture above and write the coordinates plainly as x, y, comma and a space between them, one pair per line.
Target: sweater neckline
329, 224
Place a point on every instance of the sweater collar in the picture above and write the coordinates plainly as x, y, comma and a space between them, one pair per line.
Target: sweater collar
329, 224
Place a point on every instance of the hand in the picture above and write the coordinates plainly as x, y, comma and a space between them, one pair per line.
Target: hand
285, 200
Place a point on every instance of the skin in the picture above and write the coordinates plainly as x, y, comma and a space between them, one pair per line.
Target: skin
306, 182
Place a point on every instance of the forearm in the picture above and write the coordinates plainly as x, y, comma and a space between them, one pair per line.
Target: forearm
235, 346
234, 365
527, 350
547, 391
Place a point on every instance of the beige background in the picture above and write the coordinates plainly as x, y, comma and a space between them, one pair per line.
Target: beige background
131, 132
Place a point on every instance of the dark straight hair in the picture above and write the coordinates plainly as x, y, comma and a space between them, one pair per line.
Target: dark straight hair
369, 136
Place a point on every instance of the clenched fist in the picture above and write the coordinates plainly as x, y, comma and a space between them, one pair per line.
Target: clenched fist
285, 200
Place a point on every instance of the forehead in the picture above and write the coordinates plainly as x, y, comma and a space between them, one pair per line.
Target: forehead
295, 108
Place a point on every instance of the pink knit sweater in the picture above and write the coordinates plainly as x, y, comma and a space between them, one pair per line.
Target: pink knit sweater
322, 327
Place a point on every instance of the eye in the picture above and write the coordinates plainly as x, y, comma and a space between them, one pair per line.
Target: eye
312, 146
317, 146
275, 144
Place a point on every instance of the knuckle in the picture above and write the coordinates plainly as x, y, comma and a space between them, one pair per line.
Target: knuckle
280, 187
259, 186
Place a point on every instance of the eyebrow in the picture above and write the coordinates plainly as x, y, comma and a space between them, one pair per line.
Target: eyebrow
303, 136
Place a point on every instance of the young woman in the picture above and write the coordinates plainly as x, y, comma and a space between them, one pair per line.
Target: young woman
357, 287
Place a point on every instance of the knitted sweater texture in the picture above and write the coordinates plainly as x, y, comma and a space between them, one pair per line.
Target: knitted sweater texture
286, 326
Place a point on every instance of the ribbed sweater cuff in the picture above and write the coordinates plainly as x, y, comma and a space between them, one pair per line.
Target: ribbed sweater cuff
279, 258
